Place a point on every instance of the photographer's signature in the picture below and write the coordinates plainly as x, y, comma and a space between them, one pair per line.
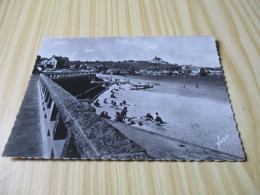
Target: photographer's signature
222, 140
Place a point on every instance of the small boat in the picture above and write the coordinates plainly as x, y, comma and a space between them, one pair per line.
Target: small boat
139, 87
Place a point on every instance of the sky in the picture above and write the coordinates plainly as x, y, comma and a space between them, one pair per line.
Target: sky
182, 50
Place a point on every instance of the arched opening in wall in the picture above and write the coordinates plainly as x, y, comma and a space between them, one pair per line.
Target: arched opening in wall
60, 131
52, 153
49, 102
70, 150
47, 96
54, 113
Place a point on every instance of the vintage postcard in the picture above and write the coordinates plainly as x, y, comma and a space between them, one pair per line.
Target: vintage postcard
127, 98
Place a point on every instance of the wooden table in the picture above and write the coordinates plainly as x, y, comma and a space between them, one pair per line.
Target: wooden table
234, 23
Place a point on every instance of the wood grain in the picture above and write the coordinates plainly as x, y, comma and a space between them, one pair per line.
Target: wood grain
234, 23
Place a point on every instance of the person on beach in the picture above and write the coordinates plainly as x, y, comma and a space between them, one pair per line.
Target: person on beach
140, 123
124, 102
105, 100
123, 113
149, 117
119, 117
97, 104
105, 115
158, 119
131, 122
113, 95
113, 102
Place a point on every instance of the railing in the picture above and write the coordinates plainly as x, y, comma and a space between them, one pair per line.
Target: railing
57, 75
73, 130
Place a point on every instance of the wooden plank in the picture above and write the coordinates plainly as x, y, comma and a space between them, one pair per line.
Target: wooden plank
234, 23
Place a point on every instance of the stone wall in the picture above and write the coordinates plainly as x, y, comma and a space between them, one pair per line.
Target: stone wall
89, 135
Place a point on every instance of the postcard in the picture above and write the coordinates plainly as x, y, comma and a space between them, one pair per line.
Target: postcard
127, 98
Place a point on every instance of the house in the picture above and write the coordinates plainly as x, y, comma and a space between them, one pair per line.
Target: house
113, 71
143, 72
43, 62
195, 72
215, 72
55, 62
175, 72
83, 66
164, 72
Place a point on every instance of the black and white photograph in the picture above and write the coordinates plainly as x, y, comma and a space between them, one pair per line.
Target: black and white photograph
127, 98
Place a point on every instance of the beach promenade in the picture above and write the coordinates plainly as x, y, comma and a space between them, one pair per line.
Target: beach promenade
168, 148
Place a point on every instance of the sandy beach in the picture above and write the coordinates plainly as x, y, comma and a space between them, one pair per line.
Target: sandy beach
195, 110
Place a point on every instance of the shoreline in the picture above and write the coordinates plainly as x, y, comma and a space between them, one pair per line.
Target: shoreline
209, 87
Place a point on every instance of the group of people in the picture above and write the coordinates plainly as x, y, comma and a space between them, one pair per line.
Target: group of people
112, 94
120, 104
156, 118
121, 116
97, 103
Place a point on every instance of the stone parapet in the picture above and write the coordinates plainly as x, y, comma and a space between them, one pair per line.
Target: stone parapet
89, 136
